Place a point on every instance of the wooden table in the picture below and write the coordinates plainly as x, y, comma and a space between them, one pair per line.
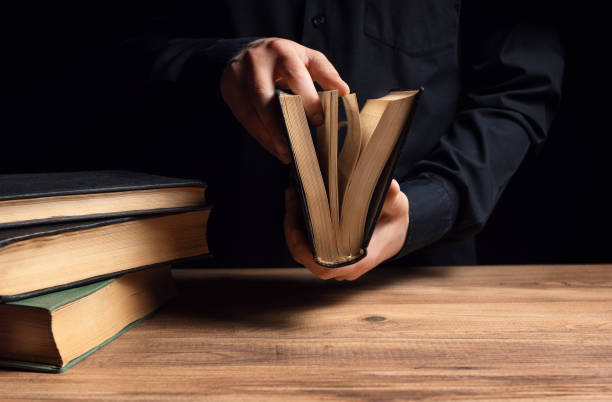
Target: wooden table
496, 332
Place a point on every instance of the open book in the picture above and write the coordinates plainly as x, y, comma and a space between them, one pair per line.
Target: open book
343, 191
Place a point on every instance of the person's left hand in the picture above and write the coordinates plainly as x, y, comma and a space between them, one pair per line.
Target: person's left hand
387, 240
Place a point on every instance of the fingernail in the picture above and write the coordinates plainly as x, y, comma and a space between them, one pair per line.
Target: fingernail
317, 119
348, 89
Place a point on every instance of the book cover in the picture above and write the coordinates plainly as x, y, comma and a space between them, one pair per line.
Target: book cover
42, 259
40, 198
53, 332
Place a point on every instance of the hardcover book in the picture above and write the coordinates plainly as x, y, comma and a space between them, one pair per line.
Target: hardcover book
342, 191
43, 259
52, 333
41, 198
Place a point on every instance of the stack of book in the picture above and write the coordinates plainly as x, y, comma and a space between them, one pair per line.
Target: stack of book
84, 256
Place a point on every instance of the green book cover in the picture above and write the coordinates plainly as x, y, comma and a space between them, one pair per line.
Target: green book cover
153, 284
51, 368
52, 301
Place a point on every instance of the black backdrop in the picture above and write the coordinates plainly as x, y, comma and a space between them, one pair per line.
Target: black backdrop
62, 110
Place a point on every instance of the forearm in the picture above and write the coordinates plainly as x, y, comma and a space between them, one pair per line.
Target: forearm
148, 60
512, 85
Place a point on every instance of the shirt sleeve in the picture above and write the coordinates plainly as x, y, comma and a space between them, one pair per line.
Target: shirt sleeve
160, 59
512, 71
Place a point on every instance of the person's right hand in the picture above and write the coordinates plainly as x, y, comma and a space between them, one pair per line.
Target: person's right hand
249, 81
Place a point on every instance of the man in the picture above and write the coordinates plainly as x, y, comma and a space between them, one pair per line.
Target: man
492, 78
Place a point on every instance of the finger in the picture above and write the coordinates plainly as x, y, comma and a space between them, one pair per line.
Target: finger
281, 83
271, 133
299, 249
359, 268
296, 238
389, 235
394, 187
292, 69
245, 113
335, 273
294, 235
261, 88
292, 207
323, 72
233, 87
390, 204
321, 272
298, 244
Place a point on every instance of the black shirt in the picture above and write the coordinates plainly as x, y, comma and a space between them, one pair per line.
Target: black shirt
492, 78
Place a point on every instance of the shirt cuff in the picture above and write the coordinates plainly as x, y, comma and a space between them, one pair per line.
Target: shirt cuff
433, 204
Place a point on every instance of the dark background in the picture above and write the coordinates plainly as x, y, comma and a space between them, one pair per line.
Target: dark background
62, 109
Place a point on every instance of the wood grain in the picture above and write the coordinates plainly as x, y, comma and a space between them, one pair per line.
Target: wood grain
440, 333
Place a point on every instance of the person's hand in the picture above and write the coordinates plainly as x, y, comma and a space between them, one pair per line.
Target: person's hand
249, 81
387, 240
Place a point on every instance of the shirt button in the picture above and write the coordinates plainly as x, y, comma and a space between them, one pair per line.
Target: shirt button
319, 20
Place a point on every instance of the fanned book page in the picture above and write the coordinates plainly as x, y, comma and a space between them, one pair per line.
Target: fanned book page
342, 190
